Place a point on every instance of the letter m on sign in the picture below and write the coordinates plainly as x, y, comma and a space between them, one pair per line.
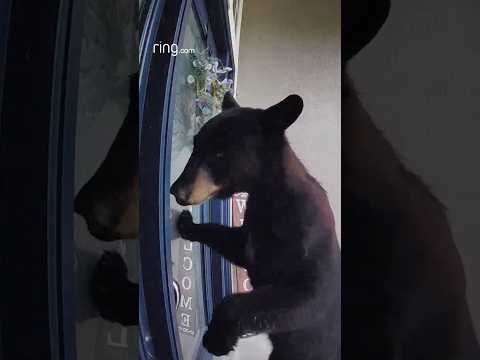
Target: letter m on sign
186, 302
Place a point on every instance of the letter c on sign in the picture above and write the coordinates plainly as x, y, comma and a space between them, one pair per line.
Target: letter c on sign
187, 263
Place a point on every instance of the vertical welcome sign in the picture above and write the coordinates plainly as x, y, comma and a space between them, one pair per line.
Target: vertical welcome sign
241, 280
187, 308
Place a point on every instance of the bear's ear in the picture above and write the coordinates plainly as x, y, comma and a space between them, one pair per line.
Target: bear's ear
229, 102
283, 114
361, 20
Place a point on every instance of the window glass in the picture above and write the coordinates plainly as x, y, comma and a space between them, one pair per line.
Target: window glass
186, 256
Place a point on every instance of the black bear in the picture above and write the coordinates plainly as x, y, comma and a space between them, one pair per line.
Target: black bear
109, 201
403, 285
287, 242
109, 204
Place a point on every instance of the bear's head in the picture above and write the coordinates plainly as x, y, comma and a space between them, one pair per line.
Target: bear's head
109, 201
232, 150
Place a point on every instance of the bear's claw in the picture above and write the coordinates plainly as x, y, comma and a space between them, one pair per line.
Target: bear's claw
185, 224
218, 342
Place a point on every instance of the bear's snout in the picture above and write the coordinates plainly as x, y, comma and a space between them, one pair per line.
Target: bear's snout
194, 186
180, 193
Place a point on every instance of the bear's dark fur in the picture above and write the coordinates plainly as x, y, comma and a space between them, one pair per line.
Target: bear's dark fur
109, 201
287, 242
403, 286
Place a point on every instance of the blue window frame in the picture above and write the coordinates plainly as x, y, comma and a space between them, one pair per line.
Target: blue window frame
165, 22
39, 320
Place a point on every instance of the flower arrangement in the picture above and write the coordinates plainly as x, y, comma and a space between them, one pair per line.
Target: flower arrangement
199, 95
210, 82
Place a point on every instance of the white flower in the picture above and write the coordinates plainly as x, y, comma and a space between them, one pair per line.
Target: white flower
190, 79
227, 82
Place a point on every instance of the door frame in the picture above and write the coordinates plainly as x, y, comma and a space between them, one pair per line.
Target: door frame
164, 23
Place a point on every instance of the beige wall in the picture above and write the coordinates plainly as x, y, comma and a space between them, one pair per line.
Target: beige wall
286, 47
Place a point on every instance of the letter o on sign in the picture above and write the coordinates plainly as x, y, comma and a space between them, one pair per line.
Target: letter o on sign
186, 283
